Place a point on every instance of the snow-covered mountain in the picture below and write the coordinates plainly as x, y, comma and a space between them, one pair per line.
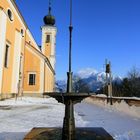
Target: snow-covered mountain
85, 73
93, 78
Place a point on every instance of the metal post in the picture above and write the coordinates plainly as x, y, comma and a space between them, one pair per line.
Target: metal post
106, 86
68, 132
69, 74
69, 82
69, 122
110, 81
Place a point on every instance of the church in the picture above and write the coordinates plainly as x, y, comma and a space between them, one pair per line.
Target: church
25, 68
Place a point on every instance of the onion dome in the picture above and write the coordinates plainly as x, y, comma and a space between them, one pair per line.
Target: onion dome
49, 19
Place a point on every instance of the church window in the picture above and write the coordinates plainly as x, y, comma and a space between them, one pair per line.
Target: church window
10, 15
22, 32
6, 56
32, 79
48, 38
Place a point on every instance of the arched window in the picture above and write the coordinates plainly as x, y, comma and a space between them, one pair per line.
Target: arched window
22, 32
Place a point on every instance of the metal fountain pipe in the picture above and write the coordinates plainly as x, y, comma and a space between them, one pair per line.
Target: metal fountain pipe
70, 31
69, 74
68, 132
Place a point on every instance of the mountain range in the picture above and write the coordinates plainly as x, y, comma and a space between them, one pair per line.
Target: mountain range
93, 78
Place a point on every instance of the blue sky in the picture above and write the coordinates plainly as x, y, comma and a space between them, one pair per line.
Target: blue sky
102, 29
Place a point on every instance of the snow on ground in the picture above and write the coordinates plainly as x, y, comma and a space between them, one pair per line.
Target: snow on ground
119, 125
103, 95
121, 107
17, 118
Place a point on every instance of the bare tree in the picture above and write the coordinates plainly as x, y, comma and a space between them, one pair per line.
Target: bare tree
79, 85
134, 81
134, 73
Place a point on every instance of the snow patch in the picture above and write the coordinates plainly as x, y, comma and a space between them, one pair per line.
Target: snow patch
121, 107
23, 101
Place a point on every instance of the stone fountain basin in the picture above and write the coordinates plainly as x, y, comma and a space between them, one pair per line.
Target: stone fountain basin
56, 134
64, 97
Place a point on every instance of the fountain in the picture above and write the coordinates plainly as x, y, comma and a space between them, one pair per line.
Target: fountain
69, 131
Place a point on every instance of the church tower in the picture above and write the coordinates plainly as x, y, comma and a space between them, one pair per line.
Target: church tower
49, 37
